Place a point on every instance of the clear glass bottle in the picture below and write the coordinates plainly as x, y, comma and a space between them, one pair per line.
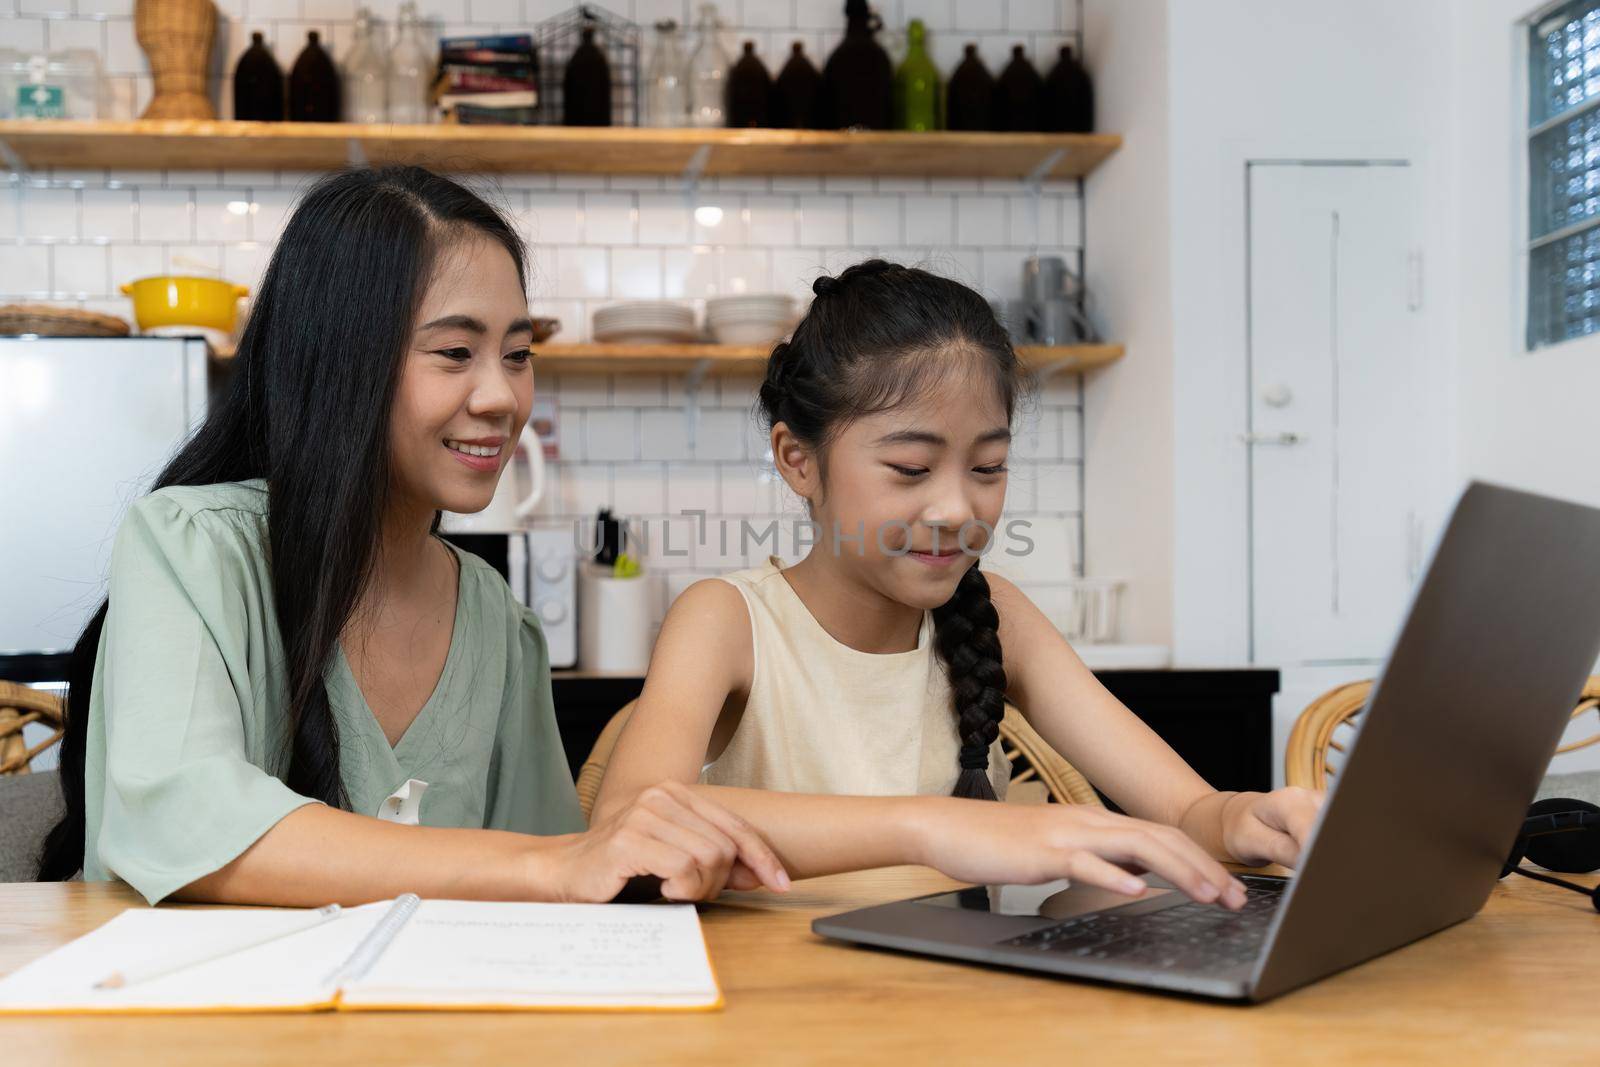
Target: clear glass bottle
410, 70
366, 74
666, 96
708, 73
65, 84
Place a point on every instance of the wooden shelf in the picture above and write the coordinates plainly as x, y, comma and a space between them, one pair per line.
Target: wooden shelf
752, 359
192, 145
650, 359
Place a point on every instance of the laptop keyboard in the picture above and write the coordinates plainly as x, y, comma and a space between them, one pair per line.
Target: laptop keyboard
1190, 936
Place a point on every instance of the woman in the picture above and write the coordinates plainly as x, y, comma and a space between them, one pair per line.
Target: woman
287, 642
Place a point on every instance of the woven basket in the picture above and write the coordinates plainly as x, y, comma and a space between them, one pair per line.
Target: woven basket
45, 320
176, 36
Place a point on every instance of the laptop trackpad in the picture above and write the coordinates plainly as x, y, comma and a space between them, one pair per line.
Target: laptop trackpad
1050, 900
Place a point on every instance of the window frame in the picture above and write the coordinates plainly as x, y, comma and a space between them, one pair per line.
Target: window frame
1534, 300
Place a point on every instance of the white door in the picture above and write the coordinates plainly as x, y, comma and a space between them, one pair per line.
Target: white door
1336, 380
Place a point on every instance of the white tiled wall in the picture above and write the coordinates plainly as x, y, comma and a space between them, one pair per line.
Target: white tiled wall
626, 441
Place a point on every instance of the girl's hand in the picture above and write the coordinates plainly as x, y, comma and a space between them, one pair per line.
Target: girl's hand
985, 842
1262, 828
693, 844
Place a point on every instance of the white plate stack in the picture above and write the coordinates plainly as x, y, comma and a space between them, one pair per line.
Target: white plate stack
646, 322
756, 319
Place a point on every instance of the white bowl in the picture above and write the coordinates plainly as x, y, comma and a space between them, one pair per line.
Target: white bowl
647, 336
748, 333
642, 318
728, 303
748, 316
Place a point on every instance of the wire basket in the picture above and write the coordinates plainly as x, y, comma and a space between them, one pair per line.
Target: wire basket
556, 38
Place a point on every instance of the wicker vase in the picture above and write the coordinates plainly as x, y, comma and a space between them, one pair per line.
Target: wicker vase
176, 36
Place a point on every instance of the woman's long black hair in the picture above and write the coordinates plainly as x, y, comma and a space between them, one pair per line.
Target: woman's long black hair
876, 336
309, 411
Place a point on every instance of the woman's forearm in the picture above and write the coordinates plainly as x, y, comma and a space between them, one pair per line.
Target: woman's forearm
816, 835
318, 855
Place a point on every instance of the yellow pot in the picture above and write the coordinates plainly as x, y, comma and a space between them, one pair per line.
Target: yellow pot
174, 300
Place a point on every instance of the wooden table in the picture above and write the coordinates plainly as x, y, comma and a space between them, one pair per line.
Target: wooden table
1519, 981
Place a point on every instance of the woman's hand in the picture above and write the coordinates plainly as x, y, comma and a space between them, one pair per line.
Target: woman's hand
1262, 828
693, 844
983, 841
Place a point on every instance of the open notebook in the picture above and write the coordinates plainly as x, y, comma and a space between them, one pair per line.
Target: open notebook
436, 955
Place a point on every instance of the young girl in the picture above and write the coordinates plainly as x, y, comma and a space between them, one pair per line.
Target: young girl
832, 702
287, 643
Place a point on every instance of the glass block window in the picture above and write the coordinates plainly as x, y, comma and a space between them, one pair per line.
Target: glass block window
1564, 174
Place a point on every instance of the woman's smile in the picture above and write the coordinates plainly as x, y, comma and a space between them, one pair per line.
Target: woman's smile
480, 454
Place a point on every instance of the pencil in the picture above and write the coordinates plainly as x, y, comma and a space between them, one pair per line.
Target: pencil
161, 968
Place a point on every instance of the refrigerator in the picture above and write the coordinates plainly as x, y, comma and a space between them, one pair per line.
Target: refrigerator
85, 426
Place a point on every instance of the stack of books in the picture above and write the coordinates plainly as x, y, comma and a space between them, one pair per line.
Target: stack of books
488, 80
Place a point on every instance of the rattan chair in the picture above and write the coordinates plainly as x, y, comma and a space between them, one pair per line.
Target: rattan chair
1032, 761
19, 706
594, 768
1306, 762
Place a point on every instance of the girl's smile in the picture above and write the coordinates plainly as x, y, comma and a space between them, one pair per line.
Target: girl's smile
942, 558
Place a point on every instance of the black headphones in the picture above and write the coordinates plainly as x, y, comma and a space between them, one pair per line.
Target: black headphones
1559, 835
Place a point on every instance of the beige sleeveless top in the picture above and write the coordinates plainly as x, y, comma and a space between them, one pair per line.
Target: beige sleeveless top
823, 717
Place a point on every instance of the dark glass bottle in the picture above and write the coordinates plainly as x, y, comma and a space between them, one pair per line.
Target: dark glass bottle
969, 99
797, 94
586, 88
749, 90
1018, 94
1068, 96
313, 84
859, 79
258, 84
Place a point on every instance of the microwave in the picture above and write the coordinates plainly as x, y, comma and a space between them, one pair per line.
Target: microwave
541, 567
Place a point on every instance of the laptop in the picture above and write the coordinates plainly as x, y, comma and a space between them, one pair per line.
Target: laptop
1460, 729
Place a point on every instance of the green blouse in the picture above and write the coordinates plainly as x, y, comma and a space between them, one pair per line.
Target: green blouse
189, 726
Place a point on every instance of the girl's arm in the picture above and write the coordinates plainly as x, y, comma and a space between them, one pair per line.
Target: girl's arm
1080, 718
703, 658
317, 854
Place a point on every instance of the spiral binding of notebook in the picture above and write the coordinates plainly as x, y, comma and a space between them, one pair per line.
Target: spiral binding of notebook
372, 946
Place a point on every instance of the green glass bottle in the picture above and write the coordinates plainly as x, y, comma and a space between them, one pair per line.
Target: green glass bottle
916, 85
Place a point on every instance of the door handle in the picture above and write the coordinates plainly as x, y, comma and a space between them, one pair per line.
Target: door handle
1288, 438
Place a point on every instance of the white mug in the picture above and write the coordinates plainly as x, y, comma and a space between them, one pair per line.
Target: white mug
505, 512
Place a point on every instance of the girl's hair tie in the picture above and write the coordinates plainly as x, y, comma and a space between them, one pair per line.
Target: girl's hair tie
974, 757
825, 286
